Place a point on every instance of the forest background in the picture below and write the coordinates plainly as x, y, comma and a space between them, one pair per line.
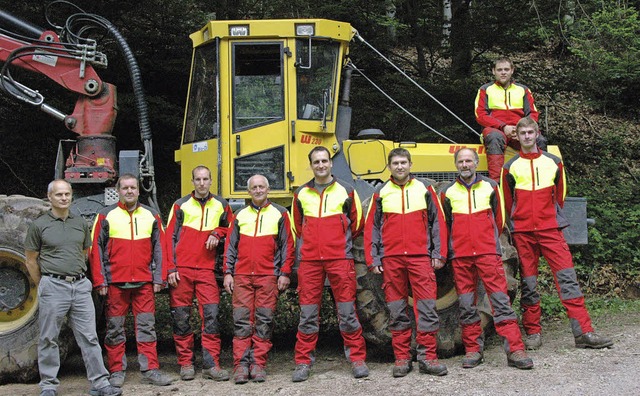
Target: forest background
581, 59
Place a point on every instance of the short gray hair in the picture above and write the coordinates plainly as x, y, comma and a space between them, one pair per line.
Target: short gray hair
476, 158
256, 175
50, 185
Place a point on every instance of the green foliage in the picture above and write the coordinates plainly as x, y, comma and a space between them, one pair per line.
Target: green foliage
551, 306
601, 168
599, 306
608, 45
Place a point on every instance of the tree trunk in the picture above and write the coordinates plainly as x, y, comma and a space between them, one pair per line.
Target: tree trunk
461, 39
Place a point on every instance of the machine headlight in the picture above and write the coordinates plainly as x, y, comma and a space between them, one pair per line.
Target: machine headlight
239, 30
305, 29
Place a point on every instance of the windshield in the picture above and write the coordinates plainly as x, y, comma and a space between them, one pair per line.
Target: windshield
202, 113
314, 83
258, 89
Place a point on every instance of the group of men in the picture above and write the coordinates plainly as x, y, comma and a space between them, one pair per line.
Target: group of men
410, 231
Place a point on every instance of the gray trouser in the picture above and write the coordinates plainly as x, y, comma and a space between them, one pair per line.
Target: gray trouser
57, 298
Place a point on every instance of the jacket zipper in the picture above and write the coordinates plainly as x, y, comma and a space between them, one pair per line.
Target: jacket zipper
474, 199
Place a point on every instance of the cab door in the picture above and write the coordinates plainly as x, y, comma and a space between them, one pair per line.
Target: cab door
259, 127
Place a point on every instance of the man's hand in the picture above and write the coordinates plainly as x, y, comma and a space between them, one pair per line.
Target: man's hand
283, 282
228, 283
510, 131
103, 290
157, 288
173, 279
211, 242
377, 269
437, 263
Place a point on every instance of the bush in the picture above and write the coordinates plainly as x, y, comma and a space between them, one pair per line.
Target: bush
608, 45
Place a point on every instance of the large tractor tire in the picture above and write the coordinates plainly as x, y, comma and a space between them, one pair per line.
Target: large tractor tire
18, 293
374, 315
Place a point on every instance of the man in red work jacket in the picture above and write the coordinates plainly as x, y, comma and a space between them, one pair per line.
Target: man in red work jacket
499, 106
259, 254
405, 240
197, 224
474, 209
534, 188
126, 266
327, 214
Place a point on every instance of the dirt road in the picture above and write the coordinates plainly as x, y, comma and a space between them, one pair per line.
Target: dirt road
560, 369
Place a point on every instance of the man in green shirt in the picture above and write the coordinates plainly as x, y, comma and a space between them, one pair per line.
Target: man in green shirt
55, 250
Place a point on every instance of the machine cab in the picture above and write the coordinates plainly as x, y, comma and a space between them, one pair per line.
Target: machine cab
261, 95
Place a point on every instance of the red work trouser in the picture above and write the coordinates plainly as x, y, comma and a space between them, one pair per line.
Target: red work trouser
201, 283
489, 269
398, 273
552, 246
141, 301
254, 302
342, 278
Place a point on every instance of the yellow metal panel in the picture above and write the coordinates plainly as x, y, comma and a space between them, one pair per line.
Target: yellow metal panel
367, 157
272, 28
193, 154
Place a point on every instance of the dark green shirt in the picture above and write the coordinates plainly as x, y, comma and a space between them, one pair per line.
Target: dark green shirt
61, 243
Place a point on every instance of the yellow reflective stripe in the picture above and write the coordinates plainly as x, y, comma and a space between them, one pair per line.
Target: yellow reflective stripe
502, 209
564, 184
545, 170
200, 218
534, 174
412, 197
259, 223
328, 204
358, 205
138, 225
466, 201
93, 229
500, 99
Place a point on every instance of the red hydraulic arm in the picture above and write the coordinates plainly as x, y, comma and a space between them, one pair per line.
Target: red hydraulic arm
94, 157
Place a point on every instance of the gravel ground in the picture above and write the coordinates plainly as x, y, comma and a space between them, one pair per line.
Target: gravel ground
560, 369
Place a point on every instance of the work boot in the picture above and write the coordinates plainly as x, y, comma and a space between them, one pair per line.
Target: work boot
117, 379
301, 373
532, 341
519, 360
215, 373
258, 373
156, 377
472, 359
48, 392
187, 373
432, 367
108, 390
402, 367
359, 369
593, 341
241, 375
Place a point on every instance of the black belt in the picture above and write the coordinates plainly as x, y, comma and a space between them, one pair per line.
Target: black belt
67, 278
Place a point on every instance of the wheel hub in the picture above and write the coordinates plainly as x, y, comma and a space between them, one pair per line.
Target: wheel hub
18, 293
